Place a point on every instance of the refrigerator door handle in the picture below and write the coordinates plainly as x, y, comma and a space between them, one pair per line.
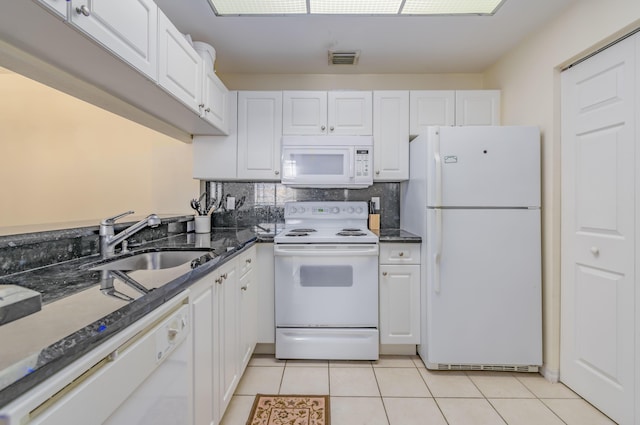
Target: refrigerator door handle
438, 252
438, 175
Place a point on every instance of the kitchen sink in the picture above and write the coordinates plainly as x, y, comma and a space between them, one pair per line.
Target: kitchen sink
154, 260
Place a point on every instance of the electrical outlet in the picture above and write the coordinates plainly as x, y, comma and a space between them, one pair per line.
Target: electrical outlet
231, 203
376, 202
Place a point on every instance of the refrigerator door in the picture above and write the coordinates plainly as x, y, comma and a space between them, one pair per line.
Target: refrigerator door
483, 166
483, 288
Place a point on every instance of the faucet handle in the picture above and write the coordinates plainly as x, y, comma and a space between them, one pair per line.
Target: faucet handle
111, 220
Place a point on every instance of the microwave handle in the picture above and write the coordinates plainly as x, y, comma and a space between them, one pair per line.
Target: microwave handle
352, 163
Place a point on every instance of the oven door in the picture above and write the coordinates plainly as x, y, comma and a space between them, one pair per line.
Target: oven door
326, 285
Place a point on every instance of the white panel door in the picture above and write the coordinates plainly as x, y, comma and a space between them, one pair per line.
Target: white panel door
128, 28
399, 304
259, 135
429, 108
478, 107
598, 147
391, 135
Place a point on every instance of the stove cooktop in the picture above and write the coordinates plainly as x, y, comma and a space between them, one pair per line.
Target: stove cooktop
326, 222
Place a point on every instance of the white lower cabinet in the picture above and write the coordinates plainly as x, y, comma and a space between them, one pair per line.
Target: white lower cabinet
399, 293
225, 328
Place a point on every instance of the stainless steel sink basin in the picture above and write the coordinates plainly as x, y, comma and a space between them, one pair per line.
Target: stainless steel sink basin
155, 260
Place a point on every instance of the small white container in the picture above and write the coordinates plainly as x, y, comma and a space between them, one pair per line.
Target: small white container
203, 223
207, 53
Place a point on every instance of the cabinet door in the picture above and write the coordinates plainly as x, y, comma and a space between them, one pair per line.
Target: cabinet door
59, 7
228, 314
265, 273
304, 112
215, 157
350, 113
128, 28
259, 135
431, 107
180, 66
215, 101
205, 404
248, 317
478, 107
399, 304
391, 135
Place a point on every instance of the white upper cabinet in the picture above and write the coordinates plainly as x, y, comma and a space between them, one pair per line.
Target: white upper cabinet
179, 65
431, 107
335, 112
350, 113
58, 7
391, 135
215, 157
259, 135
304, 112
128, 28
478, 107
215, 96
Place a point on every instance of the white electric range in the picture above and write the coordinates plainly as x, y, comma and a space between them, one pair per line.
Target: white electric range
326, 283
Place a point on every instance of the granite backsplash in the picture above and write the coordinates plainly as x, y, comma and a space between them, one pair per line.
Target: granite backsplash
264, 202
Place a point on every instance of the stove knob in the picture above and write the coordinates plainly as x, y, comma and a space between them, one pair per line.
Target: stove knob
293, 210
301, 210
350, 209
359, 210
335, 210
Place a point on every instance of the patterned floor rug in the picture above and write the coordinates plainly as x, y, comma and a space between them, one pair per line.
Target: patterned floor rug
290, 410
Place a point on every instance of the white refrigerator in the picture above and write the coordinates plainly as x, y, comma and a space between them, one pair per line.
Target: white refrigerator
474, 196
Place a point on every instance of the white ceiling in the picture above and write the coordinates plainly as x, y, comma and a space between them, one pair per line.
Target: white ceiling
398, 45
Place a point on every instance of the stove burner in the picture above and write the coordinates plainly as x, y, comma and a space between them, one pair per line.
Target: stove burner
305, 230
351, 233
351, 229
297, 233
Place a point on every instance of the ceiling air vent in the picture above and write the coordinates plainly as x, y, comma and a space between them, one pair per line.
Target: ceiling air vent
343, 58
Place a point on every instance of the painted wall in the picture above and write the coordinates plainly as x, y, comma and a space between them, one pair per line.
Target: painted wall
529, 77
353, 82
66, 160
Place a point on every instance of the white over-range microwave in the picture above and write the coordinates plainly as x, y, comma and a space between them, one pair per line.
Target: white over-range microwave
327, 161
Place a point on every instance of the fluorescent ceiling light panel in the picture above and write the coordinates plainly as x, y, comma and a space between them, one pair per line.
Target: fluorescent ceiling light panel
259, 7
355, 7
364, 7
450, 7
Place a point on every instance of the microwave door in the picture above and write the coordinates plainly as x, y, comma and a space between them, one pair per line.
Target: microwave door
320, 166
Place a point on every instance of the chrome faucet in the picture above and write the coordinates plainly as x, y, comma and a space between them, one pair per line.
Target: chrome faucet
109, 240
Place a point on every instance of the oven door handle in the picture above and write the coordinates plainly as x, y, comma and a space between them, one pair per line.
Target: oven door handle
324, 250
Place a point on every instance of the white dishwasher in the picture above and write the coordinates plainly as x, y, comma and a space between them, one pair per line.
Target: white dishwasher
146, 380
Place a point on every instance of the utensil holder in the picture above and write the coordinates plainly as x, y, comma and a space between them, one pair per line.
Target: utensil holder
203, 223
374, 221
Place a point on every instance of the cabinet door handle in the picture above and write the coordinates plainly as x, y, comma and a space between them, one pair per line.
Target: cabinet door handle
83, 10
323, 128
224, 276
208, 110
384, 273
595, 251
219, 280
401, 254
248, 260
331, 128
277, 172
201, 105
378, 173
244, 288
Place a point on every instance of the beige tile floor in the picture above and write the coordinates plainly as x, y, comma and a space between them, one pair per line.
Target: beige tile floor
399, 390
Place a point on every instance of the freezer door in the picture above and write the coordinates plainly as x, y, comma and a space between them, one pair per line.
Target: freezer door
483, 287
483, 166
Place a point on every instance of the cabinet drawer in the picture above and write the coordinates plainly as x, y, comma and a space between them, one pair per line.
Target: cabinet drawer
399, 253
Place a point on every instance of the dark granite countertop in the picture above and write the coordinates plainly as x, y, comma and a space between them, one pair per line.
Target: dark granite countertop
397, 236
65, 329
